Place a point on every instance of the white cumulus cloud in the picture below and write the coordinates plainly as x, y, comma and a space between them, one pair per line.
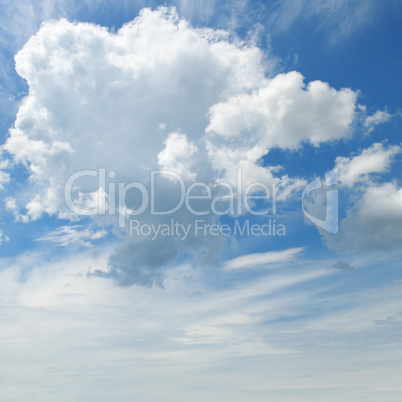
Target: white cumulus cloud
283, 113
377, 118
95, 96
374, 222
178, 155
375, 159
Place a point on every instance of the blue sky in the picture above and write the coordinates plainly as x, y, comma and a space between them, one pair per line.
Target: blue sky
233, 98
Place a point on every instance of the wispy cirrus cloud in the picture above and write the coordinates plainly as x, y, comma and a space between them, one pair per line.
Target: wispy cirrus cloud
258, 260
76, 234
189, 326
337, 19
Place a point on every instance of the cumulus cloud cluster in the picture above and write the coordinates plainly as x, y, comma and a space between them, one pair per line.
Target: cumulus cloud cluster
374, 219
156, 94
98, 99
